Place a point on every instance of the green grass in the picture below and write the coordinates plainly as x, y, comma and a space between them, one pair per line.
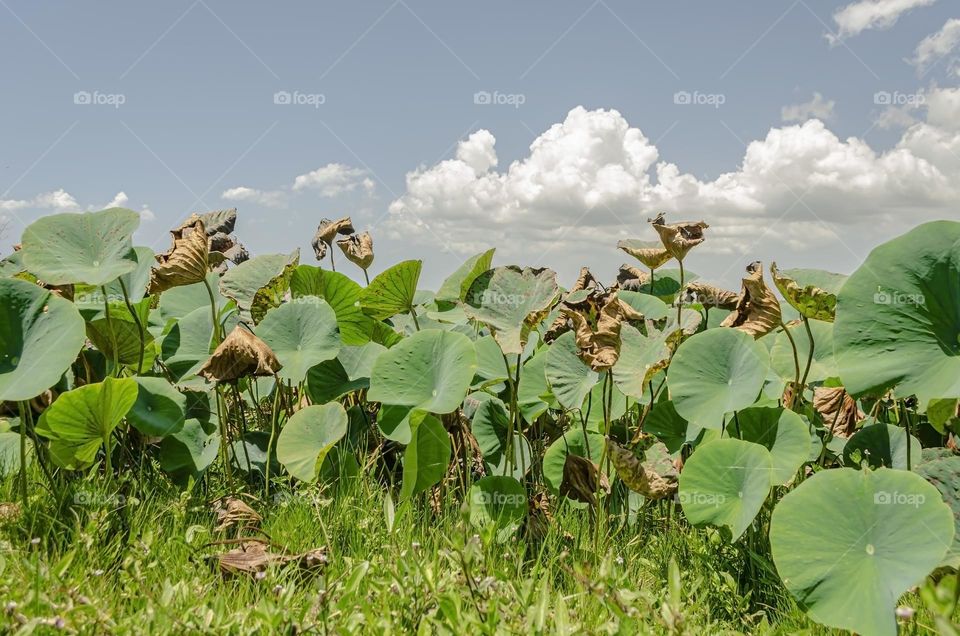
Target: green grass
85, 564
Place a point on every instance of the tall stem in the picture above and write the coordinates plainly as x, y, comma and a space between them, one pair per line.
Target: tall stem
796, 360
906, 421
136, 319
366, 277
24, 406
213, 312
679, 305
333, 266
413, 314
277, 385
508, 465
806, 371
113, 334
224, 438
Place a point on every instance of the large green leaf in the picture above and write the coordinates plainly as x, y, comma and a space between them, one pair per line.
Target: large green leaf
570, 378
849, 543
121, 333
186, 454
944, 474
430, 371
160, 409
812, 292
724, 483
177, 302
188, 344
302, 334
511, 301
534, 396
456, 286
716, 372
782, 432
427, 456
259, 284
641, 357
590, 446
499, 503
343, 294
490, 426
40, 336
308, 436
93, 248
392, 291
898, 317
80, 421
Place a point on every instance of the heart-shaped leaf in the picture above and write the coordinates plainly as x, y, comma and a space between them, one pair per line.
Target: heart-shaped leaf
301, 334
308, 436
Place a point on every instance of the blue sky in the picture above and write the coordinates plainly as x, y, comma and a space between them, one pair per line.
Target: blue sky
184, 117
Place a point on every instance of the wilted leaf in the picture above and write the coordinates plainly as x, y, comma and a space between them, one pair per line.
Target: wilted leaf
710, 296
758, 311
358, 248
260, 284
838, 409
632, 278
240, 354
599, 347
679, 238
232, 512
808, 298
582, 479
651, 254
219, 221
253, 555
655, 478
327, 231
186, 262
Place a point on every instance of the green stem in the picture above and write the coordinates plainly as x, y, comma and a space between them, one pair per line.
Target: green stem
273, 428
366, 277
333, 266
679, 305
213, 312
24, 406
243, 425
508, 465
224, 439
113, 334
806, 371
906, 421
136, 319
413, 314
796, 359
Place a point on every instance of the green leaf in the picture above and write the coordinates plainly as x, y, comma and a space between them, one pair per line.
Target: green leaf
590, 446
511, 301
456, 286
570, 378
40, 337
160, 409
898, 317
497, 502
430, 371
308, 436
867, 536
812, 292
782, 432
881, 445
123, 333
80, 421
302, 334
716, 372
724, 484
392, 291
641, 357
824, 365
258, 285
343, 294
188, 344
93, 247
944, 474
427, 456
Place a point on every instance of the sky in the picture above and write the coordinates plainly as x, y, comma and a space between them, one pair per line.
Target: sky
803, 131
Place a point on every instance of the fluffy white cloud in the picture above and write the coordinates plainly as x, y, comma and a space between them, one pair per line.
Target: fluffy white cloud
333, 179
861, 16
816, 108
593, 179
266, 198
56, 200
937, 46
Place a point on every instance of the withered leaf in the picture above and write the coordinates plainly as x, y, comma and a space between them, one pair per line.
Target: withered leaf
327, 231
240, 354
358, 248
631, 278
219, 221
582, 479
710, 296
648, 253
838, 410
539, 517
758, 310
231, 512
654, 478
253, 555
809, 300
679, 238
186, 262
599, 347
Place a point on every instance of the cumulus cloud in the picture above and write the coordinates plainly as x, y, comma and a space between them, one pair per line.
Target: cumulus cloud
266, 198
332, 180
937, 46
816, 108
56, 200
593, 179
864, 15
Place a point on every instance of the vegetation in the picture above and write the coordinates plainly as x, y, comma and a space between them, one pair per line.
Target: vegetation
200, 441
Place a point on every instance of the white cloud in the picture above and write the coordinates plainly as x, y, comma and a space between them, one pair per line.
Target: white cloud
937, 46
896, 117
146, 214
593, 179
861, 16
56, 200
816, 108
266, 198
332, 180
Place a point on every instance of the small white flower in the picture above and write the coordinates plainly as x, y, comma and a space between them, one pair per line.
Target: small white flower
904, 612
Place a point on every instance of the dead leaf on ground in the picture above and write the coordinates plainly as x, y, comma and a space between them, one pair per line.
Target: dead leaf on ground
9, 512
758, 310
232, 511
240, 354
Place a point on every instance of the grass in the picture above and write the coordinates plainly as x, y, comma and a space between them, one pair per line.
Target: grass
89, 561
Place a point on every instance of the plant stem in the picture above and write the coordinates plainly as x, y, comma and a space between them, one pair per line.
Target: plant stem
413, 314
113, 334
508, 451
273, 428
366, 277
213, 312
333, 266
679, 304
796, 360
136, 319
906, 421
224, 438
24, 406
806, 371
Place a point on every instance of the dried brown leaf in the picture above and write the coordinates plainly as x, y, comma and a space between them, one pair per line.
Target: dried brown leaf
240, 354
186, 262
231, 512
710, 296
679, 238
631, 278
838, 410
655, 478
358, 248
327, 231
651, 255
758, 310
582, 479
